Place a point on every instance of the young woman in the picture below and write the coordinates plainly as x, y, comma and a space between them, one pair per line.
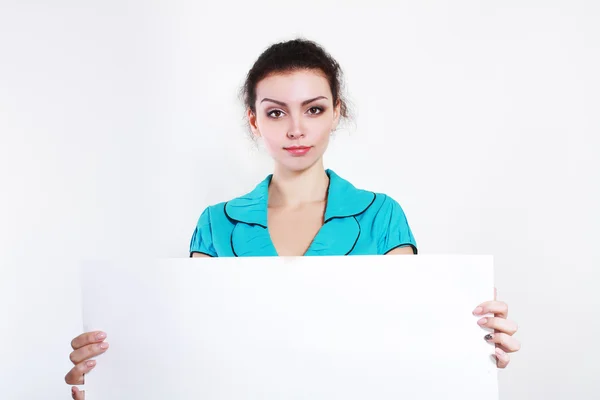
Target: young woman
293, 100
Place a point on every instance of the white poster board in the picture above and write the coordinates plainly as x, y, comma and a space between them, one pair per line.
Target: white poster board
361, 327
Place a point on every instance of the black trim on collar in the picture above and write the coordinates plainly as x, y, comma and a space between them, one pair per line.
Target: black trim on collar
357, 236
235, 221
353, 215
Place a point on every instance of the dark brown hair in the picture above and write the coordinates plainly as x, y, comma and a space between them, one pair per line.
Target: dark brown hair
294, 55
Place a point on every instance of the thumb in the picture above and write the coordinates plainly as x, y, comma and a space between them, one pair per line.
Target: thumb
77, 394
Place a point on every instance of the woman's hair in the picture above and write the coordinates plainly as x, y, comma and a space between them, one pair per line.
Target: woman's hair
294, 55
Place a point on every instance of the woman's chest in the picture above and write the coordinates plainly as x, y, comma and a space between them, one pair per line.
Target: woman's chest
293, 230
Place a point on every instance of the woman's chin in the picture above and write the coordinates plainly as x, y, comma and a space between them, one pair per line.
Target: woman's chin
298, 164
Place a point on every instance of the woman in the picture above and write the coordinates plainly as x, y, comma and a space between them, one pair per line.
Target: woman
293, 102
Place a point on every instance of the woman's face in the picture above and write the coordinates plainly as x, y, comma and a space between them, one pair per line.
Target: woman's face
294, 117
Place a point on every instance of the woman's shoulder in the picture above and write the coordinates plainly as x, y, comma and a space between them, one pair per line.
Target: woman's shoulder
383, 199
250, 207
383, 219
382, 209
212, 213
386, 220
380, 202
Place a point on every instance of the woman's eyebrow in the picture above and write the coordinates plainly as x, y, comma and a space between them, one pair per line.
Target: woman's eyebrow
305, 102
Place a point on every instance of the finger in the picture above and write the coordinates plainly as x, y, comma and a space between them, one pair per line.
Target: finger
498, 308
87, 338
508, 343
77, 394
76, 374
502, 358
87, 352
499, 324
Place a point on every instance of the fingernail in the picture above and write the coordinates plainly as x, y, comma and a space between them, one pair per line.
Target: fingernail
477, 311
488, 337
499, 351
482, 321
104, 346
101, 336
90, 363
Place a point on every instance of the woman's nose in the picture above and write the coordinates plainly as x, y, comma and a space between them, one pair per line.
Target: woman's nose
294, 134
295, 131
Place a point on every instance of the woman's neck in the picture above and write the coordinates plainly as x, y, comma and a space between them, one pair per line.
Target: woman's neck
293, 189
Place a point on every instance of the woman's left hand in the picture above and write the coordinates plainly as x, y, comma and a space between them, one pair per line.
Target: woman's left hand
504, 329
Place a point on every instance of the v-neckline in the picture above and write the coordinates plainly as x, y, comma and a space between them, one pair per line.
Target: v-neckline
322, 218
338, 234
312, 241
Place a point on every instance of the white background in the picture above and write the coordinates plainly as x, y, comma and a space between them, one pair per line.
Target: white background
119, 123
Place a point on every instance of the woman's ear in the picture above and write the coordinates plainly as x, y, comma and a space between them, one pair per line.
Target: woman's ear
252, 122
336, 115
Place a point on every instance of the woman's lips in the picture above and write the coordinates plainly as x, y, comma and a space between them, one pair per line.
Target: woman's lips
298, 150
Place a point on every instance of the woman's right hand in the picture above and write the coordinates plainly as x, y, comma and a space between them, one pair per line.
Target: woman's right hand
85, 346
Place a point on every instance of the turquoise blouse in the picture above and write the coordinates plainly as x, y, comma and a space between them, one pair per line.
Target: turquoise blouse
357, 222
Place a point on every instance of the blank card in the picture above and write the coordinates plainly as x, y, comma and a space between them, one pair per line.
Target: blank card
360, 327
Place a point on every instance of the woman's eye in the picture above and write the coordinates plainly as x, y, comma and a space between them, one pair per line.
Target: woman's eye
315, 110
275, 113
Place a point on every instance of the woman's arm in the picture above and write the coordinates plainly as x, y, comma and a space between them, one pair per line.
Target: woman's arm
401, 250
196, 255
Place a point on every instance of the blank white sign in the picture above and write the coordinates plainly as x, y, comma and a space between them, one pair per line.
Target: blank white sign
361, 327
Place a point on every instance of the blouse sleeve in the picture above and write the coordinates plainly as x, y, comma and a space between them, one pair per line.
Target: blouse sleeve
394, 228
202, 237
